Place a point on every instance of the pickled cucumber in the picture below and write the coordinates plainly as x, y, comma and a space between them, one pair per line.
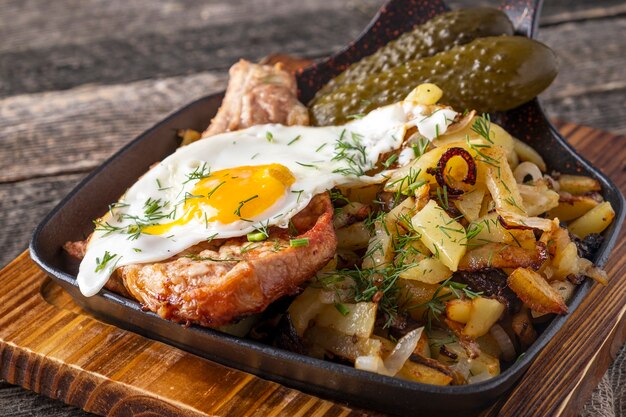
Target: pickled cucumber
487, 74
439, 34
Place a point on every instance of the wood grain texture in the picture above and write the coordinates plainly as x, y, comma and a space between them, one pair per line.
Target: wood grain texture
49, 346
108, 371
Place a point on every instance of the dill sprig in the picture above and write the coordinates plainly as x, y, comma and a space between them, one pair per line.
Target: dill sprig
371, 285
106, 258
350, 150
242, 203
199, 173
482, 126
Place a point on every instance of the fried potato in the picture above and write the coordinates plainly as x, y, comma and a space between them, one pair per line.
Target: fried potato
459, 310
353, 237
526, 152
578, 184
188, 136
359, 321
535, 291
443, 236
469, 204
484, 313
523, 328
572, 207
594, 221
340, 344
426, 371
304, 308
428, 270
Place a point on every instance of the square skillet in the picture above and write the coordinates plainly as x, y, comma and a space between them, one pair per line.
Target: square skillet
71, 220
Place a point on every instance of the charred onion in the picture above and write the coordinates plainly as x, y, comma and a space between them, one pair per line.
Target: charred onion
440, 170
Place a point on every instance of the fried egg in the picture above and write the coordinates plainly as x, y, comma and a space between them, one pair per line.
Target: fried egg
243, 182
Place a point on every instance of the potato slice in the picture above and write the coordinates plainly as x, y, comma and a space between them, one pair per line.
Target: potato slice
499, 255
578, 184
188, 136
428, 270
340, 344
565, 261
528, 153
485, 363
470, 203
483, 314
426, 371
421, 373
363, 195
359, 321
535, 291
572, 207
459, 310
523, 328
487, 229
594, 221
304, 308
564, 288
489, 345
501, 182
353, 237
442, 235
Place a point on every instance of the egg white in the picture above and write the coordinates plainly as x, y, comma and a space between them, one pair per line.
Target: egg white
312, 154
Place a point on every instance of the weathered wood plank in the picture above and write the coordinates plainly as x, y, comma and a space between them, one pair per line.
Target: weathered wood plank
91, 20
23, 205
185, 51
71, 131
174, 40
14, 398
112, 372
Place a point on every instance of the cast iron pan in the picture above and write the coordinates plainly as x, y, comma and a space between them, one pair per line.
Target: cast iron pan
71, 220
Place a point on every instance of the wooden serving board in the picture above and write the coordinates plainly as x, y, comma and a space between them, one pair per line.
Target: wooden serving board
50, 346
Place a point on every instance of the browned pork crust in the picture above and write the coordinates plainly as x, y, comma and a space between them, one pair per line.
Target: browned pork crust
212, 286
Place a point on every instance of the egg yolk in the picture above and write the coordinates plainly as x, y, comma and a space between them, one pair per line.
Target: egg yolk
232, 194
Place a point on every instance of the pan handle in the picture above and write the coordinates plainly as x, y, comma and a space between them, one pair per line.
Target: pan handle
524, 14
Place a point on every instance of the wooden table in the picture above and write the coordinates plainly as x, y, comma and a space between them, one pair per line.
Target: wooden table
78, 79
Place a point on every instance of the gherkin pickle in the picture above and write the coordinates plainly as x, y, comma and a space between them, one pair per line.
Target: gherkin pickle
488, 74
439, 34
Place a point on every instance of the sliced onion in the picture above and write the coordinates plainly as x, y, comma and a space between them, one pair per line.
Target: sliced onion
587, 268
440, 171
462, 367
370, 363
396, 359
483, 376
461, 124
403, 350
504, 341
527, 168
510, 220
